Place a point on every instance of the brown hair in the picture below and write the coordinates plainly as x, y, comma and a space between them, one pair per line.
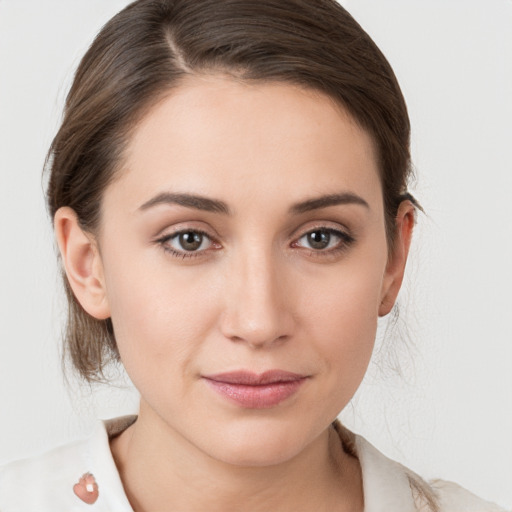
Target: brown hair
148, 48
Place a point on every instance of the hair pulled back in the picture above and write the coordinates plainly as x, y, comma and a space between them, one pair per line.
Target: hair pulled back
151, 46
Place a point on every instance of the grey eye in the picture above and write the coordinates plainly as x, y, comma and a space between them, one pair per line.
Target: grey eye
189, 241
319, 239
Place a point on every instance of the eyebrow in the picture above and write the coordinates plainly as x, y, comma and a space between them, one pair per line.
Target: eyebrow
328, 200
217, 206
188, 200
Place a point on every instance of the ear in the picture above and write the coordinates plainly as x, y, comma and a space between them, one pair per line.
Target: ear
82, 263
395, 267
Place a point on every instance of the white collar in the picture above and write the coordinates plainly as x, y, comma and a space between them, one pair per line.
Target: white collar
386, 483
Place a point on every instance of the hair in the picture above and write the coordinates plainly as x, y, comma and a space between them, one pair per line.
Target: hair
152, 46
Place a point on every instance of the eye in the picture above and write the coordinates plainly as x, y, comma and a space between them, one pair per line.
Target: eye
186, 243
324, 239
189, 241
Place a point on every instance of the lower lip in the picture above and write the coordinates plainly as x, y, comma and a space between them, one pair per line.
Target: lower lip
256, 396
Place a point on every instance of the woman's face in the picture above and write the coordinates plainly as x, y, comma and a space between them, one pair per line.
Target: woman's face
245, 235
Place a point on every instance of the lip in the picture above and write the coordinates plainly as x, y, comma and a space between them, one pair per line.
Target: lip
256, 390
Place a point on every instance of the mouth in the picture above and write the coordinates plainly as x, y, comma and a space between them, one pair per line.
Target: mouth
256, 391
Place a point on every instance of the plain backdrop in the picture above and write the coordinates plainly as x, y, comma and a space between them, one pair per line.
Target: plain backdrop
449, 413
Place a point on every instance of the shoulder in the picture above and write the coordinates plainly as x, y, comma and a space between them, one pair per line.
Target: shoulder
453, 498
443, 496
45, 482
388, 485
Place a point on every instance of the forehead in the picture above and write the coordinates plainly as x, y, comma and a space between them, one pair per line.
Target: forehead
239, 141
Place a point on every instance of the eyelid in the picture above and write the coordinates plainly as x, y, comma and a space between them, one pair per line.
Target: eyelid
170, 229
166, 235
320, 225
335, 228
346, 240
337, 232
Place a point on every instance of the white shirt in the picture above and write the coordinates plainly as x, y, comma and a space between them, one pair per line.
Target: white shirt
45, 483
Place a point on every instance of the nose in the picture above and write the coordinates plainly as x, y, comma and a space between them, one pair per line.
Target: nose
257, 302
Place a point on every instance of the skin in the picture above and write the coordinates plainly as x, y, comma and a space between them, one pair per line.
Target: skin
256, 295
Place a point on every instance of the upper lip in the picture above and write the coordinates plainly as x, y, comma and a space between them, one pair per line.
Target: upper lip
247, 378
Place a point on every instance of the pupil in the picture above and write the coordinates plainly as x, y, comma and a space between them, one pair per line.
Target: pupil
319, 239
191, 241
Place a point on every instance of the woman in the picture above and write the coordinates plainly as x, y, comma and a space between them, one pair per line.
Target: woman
229, 194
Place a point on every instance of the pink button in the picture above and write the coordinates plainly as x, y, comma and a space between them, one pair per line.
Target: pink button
87, 488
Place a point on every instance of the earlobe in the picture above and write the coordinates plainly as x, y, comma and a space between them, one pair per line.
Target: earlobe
395, 268
82, 263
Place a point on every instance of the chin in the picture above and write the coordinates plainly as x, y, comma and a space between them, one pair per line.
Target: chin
257, 455
266, 444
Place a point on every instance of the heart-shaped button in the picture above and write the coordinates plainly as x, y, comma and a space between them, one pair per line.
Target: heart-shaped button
87, 488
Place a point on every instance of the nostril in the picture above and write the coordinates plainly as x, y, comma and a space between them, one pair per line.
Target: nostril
259, 340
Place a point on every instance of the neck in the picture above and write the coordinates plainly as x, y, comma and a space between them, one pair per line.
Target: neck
162, 471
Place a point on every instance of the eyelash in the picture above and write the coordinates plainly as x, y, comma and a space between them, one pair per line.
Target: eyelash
345, 242
164, 240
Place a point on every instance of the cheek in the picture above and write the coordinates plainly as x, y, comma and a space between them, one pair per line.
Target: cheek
350, 325
159, 316
342, 314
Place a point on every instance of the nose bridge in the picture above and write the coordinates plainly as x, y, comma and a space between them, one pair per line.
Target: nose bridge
256, 309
